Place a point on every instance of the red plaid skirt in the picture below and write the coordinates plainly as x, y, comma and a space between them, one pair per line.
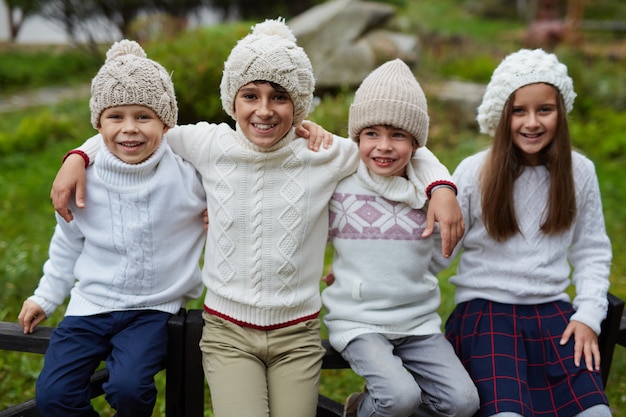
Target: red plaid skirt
512, 353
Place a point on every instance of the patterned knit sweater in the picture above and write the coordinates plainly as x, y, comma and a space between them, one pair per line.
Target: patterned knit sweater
268, 219
136, 246
382, 282
530, 267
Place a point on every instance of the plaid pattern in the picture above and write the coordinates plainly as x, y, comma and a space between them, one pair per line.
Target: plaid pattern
512, 353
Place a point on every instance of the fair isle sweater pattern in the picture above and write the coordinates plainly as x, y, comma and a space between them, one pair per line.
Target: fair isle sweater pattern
355, 216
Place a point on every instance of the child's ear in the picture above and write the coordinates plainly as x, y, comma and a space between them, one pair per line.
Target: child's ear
165, 128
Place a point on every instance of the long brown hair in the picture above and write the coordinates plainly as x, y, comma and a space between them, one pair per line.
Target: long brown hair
505, 163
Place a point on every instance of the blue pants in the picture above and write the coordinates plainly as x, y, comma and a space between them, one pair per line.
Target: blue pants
411, 376
134, 346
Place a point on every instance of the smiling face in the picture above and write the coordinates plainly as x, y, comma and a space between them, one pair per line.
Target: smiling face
264, 112
386, 150
534, 119
132, 133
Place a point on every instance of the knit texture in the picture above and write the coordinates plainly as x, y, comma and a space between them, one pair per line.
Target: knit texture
269, 218
390, 95
269, 53
517, 70
127, 78
138, 245
382, 282
530, 267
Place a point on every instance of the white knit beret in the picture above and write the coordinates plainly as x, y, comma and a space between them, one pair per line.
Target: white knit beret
269, 53
390, 95
517, 70
128, 77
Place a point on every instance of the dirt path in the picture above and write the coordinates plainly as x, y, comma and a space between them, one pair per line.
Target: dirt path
42, 97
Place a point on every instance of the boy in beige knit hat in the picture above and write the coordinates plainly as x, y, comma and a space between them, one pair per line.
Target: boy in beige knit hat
129, 261
268, 202
382, 306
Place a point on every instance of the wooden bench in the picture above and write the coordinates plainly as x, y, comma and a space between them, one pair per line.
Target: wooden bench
184, 394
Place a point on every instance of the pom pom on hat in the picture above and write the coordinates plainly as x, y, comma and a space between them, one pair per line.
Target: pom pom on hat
390, 95
269, 53
518, 69
128, 77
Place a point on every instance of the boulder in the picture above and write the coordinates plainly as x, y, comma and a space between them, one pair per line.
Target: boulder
347, 39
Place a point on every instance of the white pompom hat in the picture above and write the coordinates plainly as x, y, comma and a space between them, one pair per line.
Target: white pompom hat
128, 77
269, 53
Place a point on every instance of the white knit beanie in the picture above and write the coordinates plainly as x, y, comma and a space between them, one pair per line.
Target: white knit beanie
390, 95
269, 53
518, 69
128, 77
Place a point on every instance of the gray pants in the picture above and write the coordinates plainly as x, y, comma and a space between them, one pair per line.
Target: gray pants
416, 375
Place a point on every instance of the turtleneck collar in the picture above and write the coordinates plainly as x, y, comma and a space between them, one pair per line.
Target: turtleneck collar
247, 144
114, 172
394, 188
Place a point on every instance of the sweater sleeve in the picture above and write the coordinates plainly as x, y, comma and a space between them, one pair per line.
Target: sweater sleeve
590, 252
191, 142
429, 170
58, 271
90, 147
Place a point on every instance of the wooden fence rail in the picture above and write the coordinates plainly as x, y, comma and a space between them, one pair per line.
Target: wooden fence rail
184, 380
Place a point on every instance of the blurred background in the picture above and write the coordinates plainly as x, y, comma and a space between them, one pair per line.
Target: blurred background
50, 50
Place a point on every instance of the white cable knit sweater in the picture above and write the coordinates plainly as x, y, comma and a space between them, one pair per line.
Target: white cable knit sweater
530, 267
135, 246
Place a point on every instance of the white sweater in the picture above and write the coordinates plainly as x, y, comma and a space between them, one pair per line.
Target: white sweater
532, 268
382, 282
136, 245
268, 219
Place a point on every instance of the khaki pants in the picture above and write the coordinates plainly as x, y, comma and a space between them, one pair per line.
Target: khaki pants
262, 373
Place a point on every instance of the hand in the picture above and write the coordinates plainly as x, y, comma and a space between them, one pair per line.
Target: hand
31, 315
329, 279
70, 179
585, 344
205, 219
316, 135
445, 209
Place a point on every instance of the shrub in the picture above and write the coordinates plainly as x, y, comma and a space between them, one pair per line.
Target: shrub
196, 61
36, 132
21, 69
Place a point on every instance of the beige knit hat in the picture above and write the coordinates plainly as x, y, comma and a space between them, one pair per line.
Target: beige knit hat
390, 95
128, 77
269, 53
515, 71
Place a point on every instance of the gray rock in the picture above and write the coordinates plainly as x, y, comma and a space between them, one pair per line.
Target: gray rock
347, 39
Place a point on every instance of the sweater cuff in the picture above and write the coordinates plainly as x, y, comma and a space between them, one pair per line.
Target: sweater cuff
47, 307
77, 152
438, 184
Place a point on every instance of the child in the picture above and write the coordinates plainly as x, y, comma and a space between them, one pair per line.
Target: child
382, 307
131, 259
267, 198
534, 216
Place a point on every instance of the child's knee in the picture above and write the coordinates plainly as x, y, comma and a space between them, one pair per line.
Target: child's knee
462, 402
130, 395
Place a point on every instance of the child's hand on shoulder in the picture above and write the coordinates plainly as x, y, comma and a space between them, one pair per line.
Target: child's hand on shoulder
316, 135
